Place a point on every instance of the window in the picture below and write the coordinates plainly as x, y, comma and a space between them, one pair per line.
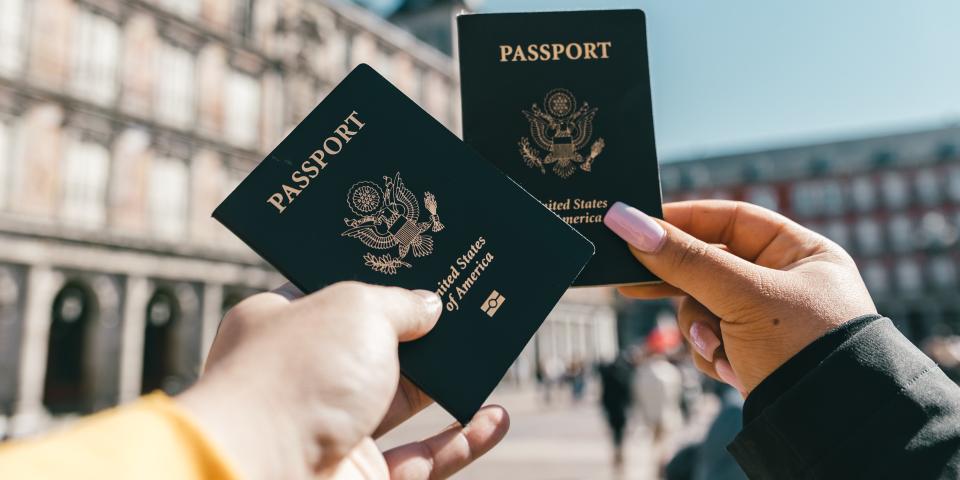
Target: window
808, 199
243, 17
953, 184
936, 231
174, 102
362, 49
909, 277
186, 8
896, 193
863, 194
5, 156
765, 196
876, 278
332, 58
437, 101
384, 63
12, 19
832, 194
95, 49
943, 272
839, 233
901, 233
869, 236
85, 174
928, 187
168, 197
242, 109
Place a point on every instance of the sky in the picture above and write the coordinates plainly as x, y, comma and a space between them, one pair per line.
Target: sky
742, 75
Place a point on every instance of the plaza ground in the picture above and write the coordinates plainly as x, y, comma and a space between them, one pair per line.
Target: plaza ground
562, 440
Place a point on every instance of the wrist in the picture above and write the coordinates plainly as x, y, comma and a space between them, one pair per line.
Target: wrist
245, 424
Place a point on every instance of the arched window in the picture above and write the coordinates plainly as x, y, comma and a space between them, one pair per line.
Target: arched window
876, 277
863, 193
174, 95
169, 197
159, 344
66, 387
764, 195
95, 50
909, 275
12, 21
896, 191
839, 232
928, 184
242, 109
902, 233
85, 173
869, 236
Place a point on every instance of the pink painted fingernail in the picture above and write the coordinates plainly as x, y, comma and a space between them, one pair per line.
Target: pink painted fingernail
636, 227
725, 372
704, 341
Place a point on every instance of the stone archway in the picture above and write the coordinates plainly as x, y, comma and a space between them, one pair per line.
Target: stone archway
172, 337
11, 334
67, 384
159, 342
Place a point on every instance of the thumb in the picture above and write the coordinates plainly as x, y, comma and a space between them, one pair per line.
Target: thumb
716, 278
411, 313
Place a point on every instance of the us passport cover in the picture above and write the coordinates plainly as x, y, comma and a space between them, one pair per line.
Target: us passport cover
560, 102
369, 187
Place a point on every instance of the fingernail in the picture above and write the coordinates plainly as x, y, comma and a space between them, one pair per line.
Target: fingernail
704, 341
430, 298
288, 291
725, 371
636, 227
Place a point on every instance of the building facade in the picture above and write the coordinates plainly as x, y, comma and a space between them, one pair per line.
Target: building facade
892, 201
122, 125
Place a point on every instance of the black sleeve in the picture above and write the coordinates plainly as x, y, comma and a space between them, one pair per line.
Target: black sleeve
860, 402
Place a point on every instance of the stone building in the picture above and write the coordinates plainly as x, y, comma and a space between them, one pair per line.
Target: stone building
892, 201
122, 125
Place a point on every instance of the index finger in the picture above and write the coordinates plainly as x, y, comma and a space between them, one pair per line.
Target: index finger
747, 230
442, 455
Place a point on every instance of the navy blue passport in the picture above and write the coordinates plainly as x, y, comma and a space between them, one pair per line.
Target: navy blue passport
560, 102
369, 187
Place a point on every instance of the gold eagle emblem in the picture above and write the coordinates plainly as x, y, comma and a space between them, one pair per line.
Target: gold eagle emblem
389, 217
563, 130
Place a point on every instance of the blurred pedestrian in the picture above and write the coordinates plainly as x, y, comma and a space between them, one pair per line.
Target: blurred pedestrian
577, 377
615, 397
553, 370
658, 384
657, 387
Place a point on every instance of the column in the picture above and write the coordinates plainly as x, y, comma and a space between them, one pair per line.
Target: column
136, 296
212, 312
42, 283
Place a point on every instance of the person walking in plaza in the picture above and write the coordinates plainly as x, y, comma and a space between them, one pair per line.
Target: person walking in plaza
615, 399
657, 385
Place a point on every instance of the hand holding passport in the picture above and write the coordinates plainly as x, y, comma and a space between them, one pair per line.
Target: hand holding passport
370, 188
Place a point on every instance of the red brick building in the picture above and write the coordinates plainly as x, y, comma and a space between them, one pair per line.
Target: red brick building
892, 201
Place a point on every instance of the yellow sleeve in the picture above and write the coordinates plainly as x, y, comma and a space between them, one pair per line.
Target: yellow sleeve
149, 439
